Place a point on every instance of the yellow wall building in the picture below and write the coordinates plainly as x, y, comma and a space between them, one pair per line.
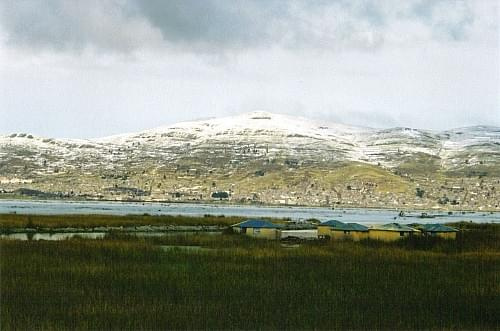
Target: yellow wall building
337, 230
391, 232
439, 230
258, 229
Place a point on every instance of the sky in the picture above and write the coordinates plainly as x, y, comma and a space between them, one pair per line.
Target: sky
93, 68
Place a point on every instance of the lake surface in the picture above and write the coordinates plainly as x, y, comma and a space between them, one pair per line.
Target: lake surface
301, 234
94, 235
358, 215
52, 236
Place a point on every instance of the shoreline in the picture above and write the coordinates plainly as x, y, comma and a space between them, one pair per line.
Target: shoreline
251, 205
154, 224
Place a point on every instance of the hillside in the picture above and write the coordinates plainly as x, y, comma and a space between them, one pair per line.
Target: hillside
261, 157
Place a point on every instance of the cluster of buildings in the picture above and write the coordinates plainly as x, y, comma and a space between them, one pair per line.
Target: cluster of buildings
334, 229
255, 183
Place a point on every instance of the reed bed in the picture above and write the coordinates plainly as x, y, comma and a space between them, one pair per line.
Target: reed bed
8, 221
130, 283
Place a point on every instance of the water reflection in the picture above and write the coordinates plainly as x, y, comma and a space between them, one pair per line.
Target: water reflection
91, 235
53, 236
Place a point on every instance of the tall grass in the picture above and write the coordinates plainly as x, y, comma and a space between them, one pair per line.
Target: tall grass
88, 221
120, 283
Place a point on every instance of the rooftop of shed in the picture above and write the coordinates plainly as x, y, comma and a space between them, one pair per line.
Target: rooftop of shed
340, 226
437, 228
256, 223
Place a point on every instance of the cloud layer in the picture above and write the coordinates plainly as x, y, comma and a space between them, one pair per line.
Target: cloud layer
97, 67
218, 25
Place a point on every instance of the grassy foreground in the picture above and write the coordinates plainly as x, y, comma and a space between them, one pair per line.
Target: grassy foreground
130, 283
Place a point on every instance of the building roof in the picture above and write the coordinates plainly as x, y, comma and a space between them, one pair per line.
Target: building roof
395, 227
336, 225
332, 223
357, 227
256, 223
437, 228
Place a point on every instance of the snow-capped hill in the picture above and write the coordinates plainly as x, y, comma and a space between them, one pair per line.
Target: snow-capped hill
295, 135
475, 135
260, 120
258, 123
267, 135
261, 157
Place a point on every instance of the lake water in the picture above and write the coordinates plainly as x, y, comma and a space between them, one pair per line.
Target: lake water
93, 235
301, 234
358, 215
52, 236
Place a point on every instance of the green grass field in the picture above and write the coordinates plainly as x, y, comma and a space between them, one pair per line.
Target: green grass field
123, 282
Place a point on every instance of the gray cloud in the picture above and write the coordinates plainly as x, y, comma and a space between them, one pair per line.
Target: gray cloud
74, 25
217, 25
448, 19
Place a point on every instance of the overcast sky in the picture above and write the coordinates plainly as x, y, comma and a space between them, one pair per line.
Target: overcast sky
95, 67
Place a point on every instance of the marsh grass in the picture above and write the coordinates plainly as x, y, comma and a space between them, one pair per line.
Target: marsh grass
8, 221
227, 240
128, 283
465, 242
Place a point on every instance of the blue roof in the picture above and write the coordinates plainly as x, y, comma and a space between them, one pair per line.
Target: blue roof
437, 228
337, 225
333, 223
357, 227
256, 223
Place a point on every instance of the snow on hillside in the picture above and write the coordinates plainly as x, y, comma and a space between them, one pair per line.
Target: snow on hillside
257, 123
293, 135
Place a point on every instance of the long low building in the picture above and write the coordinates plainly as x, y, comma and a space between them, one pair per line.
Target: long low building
258, 228
391, 232
334, 229
438, 230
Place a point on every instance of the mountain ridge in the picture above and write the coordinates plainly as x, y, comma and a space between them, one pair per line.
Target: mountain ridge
255, 114
359, 143
291, 153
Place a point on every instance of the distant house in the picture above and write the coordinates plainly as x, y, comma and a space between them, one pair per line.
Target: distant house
338, 230
258, 229
391, 232
439, 230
